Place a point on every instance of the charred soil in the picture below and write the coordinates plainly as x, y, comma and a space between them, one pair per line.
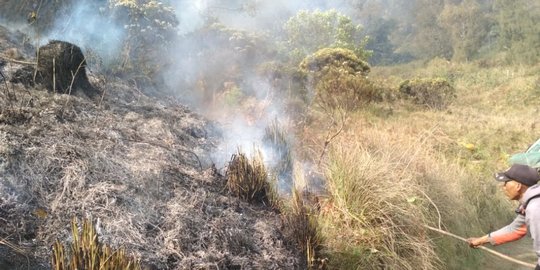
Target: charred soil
136, 165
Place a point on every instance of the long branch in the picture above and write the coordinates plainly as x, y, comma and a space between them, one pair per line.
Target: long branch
508, 258
17, 61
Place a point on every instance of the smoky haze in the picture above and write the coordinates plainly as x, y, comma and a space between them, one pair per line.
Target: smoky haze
207, 69
212, 61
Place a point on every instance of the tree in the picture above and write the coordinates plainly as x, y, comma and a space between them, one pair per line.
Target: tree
427, 39
467, 26
519, 34
379, 43
308, 32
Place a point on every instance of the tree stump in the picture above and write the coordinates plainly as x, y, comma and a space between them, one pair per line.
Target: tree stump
61, 68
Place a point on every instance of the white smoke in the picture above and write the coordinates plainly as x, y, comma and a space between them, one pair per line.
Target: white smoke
90, 26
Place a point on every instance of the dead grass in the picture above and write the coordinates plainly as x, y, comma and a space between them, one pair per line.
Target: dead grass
125, 163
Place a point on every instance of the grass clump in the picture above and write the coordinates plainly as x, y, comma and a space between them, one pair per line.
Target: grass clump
86, 252
248, 179
302, 227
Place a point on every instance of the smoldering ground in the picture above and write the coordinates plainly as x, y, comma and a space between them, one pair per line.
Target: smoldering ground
133, 155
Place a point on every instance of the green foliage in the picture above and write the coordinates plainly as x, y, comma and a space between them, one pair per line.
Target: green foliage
308, 32
224, 54
432, 93
151, 27
86, 252
519, 34
341, 58
338, 78
233, 96
383, 49
286, 79
427, 38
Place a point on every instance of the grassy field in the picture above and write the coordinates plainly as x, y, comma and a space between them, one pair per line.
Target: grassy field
398, 166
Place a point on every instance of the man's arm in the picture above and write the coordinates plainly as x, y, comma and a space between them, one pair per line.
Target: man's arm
512, 232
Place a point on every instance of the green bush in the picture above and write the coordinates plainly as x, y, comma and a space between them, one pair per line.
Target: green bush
338, 78
433, 93
344, 59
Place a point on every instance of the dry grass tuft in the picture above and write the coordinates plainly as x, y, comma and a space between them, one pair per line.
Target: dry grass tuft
276, 140
248, 179
301, 225
374, 220
86, 252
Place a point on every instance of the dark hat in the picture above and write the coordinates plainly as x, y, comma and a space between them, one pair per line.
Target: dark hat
520, 173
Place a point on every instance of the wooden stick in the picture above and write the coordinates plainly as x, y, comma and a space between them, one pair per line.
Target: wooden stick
17, 61
532, 266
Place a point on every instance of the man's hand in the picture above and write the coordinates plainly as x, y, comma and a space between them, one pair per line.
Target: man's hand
477, 241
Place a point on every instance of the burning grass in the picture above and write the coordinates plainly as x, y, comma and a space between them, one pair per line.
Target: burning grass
127, 164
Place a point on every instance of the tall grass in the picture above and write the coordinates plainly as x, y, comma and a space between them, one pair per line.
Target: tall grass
389, 176
373, 221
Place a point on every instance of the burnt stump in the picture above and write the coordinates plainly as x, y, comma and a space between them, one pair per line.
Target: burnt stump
61, 68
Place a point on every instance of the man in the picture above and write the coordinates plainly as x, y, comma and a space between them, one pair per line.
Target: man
519, 184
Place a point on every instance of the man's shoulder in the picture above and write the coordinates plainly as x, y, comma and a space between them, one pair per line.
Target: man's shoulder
533, 208
531, 194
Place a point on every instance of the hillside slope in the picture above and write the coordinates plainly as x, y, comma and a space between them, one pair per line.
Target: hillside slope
136, 165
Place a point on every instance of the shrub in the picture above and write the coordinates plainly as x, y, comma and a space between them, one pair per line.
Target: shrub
338, 78
432, 93
342, 58
86, 252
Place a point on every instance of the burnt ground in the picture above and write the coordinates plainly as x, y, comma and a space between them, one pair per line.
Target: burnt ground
136, 165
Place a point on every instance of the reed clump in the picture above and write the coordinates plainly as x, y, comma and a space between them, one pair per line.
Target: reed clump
86, 252
248, 179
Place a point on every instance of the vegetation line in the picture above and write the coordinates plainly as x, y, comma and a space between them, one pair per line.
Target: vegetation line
532, 266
